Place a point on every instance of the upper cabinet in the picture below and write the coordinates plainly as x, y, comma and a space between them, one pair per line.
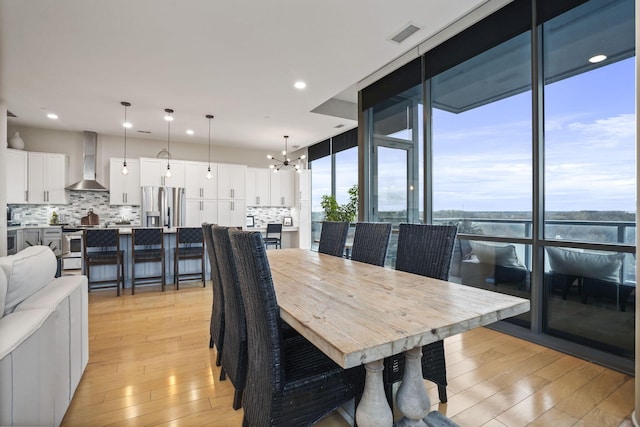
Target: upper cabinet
153, 172
47, 178
231, 181
197, 185
124, 189
17, 176
258, 187
282, 188
303, 185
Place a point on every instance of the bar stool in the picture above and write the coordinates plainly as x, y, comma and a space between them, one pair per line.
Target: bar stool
189, 245
147, 246
102, 247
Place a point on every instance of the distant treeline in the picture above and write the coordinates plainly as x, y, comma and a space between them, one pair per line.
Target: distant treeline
566, 215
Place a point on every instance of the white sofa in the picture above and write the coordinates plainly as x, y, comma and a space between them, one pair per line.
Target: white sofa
44, 346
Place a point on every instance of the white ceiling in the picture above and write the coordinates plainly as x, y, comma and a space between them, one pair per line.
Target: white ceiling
237, 60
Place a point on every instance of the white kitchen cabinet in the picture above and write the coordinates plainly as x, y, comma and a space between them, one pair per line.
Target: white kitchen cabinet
199, 211
304, 224
31, 237
17, 176
47, 178
282, 188
231, 181
52, 237
232, 213
303, 185
258, 187
124, 189
197, 185
153, 172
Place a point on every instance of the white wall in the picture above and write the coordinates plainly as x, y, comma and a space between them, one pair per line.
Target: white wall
3, 179
70, 143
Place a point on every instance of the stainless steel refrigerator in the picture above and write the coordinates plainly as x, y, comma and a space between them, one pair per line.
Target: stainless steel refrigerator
162, 206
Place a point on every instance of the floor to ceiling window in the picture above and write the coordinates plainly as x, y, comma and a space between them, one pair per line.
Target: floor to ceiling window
482, 163
589, 162
528, 145
334, 171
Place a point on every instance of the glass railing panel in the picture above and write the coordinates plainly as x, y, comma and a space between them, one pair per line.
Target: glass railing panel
590, 298
499, 267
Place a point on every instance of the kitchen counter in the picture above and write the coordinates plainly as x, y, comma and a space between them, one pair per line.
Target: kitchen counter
264, 229
31, 226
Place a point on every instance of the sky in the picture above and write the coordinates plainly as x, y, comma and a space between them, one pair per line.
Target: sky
483, 156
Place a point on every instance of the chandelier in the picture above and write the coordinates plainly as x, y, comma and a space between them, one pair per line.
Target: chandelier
286, 162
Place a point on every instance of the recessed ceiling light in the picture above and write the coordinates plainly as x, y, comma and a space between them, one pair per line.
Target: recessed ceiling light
597, 58
52, 116
300, 85
190, 132
127, 125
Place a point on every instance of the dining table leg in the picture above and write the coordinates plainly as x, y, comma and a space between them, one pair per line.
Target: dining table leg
373, 409
412, 398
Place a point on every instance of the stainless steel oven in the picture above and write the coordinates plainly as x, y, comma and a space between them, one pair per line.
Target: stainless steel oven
12, 242
72, 249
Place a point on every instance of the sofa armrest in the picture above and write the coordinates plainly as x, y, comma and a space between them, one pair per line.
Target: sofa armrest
27, 379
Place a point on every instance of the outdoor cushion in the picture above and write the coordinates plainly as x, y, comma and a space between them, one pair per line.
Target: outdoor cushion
497, 254
27, 272
592, 264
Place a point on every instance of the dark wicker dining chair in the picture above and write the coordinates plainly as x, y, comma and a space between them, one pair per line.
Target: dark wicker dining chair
425, 250
216, 326
273, 236
234, 356
333, 238
370, 242
289, 382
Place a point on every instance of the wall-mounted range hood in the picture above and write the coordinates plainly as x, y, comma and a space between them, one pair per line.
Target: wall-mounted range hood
88, 183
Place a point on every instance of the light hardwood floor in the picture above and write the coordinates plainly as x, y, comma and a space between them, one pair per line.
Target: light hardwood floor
149, 364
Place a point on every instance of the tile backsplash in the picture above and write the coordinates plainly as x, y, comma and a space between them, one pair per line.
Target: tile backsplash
79, 204
266, 214
81, 201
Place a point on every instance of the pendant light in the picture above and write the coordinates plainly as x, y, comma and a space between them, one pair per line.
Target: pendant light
169, 119
125, 125
287, 161
209, 175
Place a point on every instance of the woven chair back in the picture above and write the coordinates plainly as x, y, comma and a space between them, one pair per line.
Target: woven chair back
426, 249
234, 356
265, 376
333, 238
370, 242
101, 238
216, 327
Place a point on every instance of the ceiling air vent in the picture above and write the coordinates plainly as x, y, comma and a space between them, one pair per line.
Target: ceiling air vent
405, 33
10, 114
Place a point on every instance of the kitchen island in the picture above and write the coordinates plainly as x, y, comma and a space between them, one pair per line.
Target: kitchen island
99, 273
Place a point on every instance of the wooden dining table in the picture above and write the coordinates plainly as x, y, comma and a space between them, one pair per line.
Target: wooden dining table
358, 314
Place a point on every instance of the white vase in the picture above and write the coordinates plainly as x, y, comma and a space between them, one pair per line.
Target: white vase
16, 142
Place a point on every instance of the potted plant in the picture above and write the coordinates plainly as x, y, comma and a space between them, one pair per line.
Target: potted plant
333, 211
